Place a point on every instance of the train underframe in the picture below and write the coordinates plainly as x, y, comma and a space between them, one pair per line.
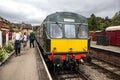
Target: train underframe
68, 61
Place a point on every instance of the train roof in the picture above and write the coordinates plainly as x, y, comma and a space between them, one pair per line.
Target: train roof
112, 28
95, 31
66, 17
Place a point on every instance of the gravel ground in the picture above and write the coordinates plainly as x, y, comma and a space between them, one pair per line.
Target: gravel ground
94, 74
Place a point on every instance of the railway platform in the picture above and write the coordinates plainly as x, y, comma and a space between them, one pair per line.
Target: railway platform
27, 66
110, 54
108, 48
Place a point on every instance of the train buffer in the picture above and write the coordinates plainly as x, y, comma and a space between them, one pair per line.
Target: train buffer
27, 66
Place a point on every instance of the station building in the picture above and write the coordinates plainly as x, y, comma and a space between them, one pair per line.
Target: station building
23, 27
4, 24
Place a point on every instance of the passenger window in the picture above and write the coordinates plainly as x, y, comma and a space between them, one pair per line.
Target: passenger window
70, 31
56, 31
82, 32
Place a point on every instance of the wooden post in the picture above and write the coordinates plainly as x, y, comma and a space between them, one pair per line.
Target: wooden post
1, 39
7, 38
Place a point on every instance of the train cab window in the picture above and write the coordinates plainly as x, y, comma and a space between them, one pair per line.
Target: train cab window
70, 31
82, 32
55, 31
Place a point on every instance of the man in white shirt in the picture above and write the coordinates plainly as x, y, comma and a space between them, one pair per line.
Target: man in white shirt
16, 39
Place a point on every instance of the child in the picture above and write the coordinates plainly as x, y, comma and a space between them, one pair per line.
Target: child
25, 39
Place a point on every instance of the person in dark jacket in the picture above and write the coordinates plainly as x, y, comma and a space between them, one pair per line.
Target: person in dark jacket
32, 38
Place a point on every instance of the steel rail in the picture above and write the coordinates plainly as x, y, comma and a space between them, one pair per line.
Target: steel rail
105, 69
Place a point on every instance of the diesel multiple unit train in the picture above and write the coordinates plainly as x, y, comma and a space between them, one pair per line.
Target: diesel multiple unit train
64, 38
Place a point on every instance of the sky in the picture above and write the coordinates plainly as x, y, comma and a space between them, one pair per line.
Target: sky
35, 11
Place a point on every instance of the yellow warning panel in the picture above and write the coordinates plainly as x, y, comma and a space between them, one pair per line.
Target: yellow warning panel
64, 45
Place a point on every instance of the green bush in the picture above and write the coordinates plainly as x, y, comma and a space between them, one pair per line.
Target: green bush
3, 54
5, 51
8, 48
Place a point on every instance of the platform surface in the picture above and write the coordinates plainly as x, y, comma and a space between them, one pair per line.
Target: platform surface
108, 48
24, 67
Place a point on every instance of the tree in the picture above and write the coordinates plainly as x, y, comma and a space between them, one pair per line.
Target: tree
92, 23
116, 19
98, 23
107, 22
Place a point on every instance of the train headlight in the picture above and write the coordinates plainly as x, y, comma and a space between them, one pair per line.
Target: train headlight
70, 49
85, 49
54, 48
81, 61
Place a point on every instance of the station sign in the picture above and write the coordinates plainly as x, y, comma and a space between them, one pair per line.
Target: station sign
69, 20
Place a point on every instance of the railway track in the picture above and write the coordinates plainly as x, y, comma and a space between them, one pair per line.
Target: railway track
110, 70
106, 55
70, 75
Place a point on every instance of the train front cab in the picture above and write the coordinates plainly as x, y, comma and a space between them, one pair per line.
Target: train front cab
64, 37
68, 40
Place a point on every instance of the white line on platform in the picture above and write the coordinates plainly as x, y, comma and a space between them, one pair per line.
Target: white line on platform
50, 78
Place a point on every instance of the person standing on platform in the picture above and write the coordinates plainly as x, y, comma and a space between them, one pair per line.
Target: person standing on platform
25, 39
32, 38
16, 40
